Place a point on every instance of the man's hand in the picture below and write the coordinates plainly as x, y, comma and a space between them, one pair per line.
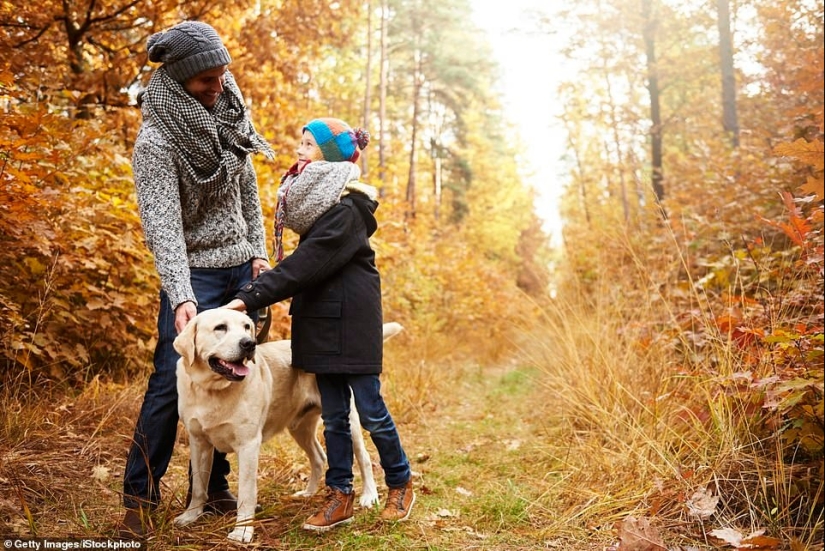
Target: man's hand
184, 312
259, 265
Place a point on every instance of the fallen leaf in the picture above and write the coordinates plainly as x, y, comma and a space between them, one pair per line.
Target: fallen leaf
702, 503
100, 473
638, 535
760, 542
728, 535
755, 540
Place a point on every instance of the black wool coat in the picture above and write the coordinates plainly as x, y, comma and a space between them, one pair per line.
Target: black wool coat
336, 292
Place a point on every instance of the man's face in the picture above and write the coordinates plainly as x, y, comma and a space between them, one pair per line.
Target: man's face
207, 86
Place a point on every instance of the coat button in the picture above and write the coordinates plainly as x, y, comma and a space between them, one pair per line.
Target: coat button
248, 287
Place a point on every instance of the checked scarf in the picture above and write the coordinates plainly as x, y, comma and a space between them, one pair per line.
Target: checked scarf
213, 145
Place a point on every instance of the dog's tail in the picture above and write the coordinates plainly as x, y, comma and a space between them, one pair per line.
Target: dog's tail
391, 329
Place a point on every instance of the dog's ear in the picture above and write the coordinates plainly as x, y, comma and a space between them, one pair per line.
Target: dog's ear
185, 342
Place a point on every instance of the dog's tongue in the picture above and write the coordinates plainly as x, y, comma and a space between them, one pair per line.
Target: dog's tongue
240, 370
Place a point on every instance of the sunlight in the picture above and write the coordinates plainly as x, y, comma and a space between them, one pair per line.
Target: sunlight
529, 94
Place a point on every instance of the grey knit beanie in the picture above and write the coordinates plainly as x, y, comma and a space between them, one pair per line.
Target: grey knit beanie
187, 49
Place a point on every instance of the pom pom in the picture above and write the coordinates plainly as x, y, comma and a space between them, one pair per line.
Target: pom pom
362, 138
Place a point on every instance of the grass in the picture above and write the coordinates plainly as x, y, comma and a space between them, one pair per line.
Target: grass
63, 455
553, 448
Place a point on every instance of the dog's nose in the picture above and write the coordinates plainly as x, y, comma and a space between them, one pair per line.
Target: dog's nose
247, 344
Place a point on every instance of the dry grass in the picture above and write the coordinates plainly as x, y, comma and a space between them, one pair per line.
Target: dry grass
638, 429
552, 450
469, 437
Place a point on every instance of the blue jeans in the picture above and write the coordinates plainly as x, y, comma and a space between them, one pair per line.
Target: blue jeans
375, 418
157, 424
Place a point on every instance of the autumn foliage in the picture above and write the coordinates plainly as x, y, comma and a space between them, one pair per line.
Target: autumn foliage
705, 295
719, 280
79, 291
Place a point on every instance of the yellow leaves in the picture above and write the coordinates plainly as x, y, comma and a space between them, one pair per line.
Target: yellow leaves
36, 268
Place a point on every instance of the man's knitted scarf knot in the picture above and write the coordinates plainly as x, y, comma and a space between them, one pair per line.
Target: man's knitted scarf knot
213, 145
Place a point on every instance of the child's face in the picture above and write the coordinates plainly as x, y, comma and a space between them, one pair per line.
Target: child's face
308, 150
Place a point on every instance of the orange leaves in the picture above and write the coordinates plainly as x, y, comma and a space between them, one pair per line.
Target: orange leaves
797, 229
6, 78
814, 186
72, 264
733, 325
811, 154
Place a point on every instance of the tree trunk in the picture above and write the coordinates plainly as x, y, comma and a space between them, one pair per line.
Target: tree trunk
437, 186
417, 80
729, 117
580, 176
656, 168
382, 98
614, 124
367, 87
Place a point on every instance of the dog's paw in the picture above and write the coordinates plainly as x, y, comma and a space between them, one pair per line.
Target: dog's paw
303, 494
188, 517
242, 534
368, 499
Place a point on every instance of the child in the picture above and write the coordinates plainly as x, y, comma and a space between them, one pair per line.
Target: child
336, 309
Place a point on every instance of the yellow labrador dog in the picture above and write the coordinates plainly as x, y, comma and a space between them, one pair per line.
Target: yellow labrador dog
234, 395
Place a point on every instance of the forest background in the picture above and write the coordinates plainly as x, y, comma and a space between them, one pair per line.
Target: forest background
672, 338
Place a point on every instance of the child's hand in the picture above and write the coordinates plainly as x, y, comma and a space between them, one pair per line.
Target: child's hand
235, 304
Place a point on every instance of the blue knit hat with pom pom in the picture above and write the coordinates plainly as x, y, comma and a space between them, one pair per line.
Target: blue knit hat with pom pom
337, 140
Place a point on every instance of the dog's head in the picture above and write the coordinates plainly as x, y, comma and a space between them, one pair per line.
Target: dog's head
217, 342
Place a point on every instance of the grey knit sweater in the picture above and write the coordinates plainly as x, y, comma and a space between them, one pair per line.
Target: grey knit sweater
186, 227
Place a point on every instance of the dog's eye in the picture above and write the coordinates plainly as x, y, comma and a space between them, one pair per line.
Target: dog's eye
248, 326
221, 327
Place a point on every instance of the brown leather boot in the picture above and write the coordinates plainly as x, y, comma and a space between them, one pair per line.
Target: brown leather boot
136, 524
336, 510
220, 503
399, 503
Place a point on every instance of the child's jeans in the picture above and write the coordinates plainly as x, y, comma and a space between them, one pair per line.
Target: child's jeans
375, 418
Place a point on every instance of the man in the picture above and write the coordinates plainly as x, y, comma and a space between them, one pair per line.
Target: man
201, 215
